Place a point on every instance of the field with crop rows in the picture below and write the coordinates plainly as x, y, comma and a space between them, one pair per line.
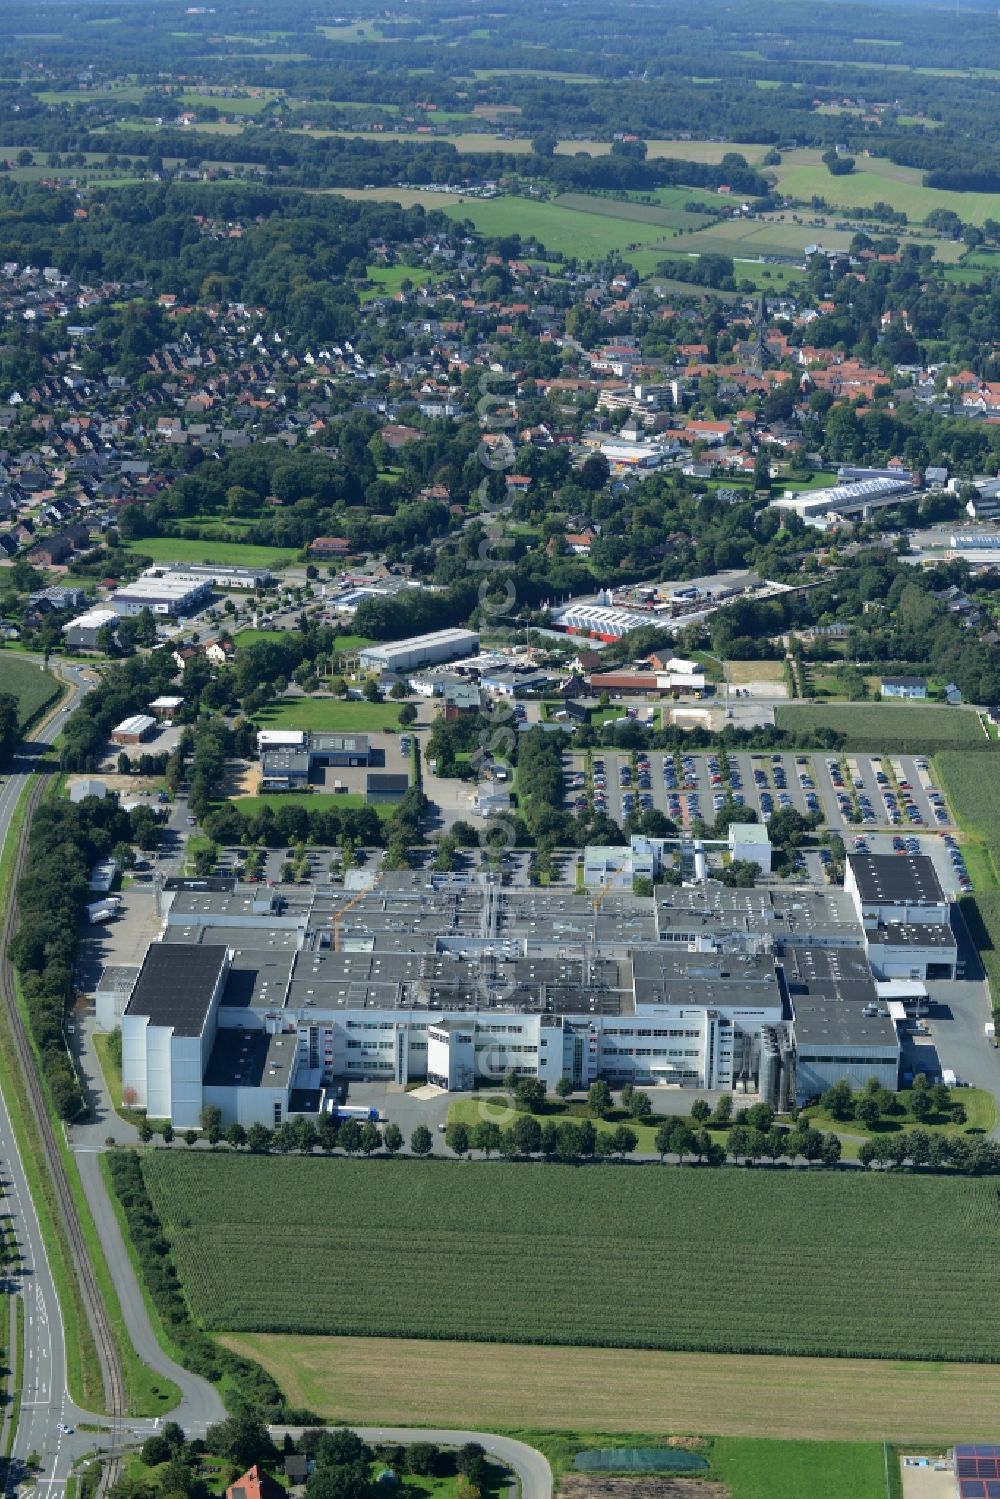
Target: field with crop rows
660, 216
904, 728
34, 689
740, 1260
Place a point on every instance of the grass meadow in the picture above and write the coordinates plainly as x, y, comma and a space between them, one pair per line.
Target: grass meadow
903, 728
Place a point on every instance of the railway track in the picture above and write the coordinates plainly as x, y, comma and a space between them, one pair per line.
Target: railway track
116, 1404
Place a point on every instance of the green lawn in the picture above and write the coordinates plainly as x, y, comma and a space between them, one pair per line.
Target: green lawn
471, 1110
313, 801
980, 1111
226, 105
238, 553
387, 280
330, 715
755, 1468
892, 728
865, 187
751, 1467
244, 638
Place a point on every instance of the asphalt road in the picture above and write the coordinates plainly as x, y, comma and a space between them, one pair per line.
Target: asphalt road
45, 1401
530, 1466
42, 1377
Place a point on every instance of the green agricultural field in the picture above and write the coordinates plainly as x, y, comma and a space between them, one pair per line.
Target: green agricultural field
332, 715
549, 73
696, 1258
126, 94
636, 213
707, 152
973, 792
589, 236
34, 689
236, 553
466, 140
761, 1469
227, 104
904, 728
874, 181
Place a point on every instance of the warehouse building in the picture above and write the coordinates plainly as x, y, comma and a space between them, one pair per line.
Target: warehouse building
81, 633
169, 1027
290, 758
134, 730
163, 591
905, 915
420, 650
217, 575
456, 978
856, 501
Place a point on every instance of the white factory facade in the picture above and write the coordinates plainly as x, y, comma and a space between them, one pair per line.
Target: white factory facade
259, 1000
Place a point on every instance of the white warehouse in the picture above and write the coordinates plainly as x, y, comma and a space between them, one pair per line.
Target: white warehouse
419, 650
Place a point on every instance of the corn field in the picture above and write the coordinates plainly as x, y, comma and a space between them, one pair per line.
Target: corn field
734, 1260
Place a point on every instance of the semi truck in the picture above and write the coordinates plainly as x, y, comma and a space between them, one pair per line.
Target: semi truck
342, 1111
101, 910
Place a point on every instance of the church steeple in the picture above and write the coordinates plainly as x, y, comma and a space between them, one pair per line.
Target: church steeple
763, 357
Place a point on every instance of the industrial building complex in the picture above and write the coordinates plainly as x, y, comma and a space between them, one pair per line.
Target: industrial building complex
259, 999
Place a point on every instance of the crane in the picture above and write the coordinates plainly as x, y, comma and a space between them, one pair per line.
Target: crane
338, 916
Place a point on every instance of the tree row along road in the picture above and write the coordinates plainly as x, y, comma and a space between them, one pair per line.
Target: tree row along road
42, 1377
111, 1369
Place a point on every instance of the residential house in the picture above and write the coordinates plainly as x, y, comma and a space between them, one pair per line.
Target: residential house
904, 687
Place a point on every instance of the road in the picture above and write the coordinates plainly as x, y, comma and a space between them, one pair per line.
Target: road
45, 1400
530, 1466
42, 1377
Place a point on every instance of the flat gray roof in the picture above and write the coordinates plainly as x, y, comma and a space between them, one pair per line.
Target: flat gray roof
892, 879
251, 1059
176, 984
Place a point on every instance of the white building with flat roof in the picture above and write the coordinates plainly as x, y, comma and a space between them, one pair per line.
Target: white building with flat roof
419, 650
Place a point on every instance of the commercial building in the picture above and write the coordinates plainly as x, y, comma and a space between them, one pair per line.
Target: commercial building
382, 787
81, 633
905, 916
854, 501
602, 622
259, 1000
217, 575
134, 730
420, 650
169, 1027
289, 758
163, 591
165, 707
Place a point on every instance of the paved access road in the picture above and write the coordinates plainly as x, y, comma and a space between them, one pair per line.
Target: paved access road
45, 1401
531, 1466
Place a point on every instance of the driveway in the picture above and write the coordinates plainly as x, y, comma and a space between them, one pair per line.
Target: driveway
531, 1467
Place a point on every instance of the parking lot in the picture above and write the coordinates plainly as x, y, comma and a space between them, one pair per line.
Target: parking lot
857, 796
